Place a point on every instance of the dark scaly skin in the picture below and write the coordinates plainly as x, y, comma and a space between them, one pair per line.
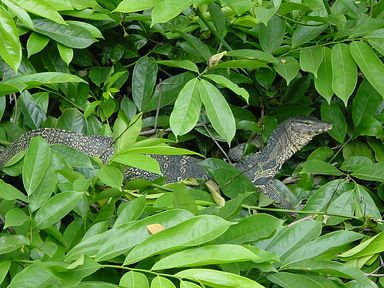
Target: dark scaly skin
288, 138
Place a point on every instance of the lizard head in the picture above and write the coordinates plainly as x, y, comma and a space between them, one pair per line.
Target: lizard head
302, 129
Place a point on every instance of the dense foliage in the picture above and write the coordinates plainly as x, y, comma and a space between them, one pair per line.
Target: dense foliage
155, 72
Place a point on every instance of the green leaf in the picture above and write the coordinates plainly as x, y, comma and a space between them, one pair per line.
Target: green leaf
218, 111
161, 282
128, 6
38, 276
218, 19
250, 229
144, 77
36, 42
123, 238
303, 34
265, 14
332, 113
225, 82
56, 208
369, 172
207, 255
183, 64
183, 199
368, 247
21, 14
192, 232
365, 102
292, 280
242, 63
139, 161
70, 35
216, 278
323, 81
186, 110
272, 35
332, 268
10, 47
320, 245
36, 162
11, 243
252, 54
134, 279
65, 53
288, 68
4, 268
320, 167
344, 72
165, 10
41, 8
369, 64
186, 284
8, 192
131, 211
197, 45
111, 176
15, 217
311, 58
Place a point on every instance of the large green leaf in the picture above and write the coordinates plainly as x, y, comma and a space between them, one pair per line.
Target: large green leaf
344, 72
332, 113
207, 255
192, 232
218, 111
165, 10
323, 81
70, 35
288, 68
10, 242
8, 192
139, 161
292, 280
127, 6
36, 42
272, 35
36, 162
10, 47
369, 64
162, 282
320, 167
311, 58
56, 208
187, 107
41, 8
143, 80
134, 279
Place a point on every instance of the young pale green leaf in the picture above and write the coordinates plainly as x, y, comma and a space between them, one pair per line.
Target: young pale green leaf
134, 279
161, 282
265, 14
10, 47
216, 278
66, 53
128, 6
250, 229
43, 9
225, 82
56, 208
207, 255
320, 167
37, 275
15, 217
20, 13
332, 113
187, 107
288, 68
365, 102
272, 35
182, 198
165, 10
139, 161
144, 77
126, 135
369, 64
8, 192
344, 72
36, 162
111, 176
36, 42
291, 237
10, 242
252, 54
311, 58
323, 81
70, 35
368, 247
292, 280
332, 268
183, 64
123, 238
192, 232
218, 111
320, 245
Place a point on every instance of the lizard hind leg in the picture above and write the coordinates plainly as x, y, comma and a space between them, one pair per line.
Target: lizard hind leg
269, 189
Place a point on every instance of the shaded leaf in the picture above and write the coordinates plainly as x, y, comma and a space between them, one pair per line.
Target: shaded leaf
288, 68
311, 58
323, 81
